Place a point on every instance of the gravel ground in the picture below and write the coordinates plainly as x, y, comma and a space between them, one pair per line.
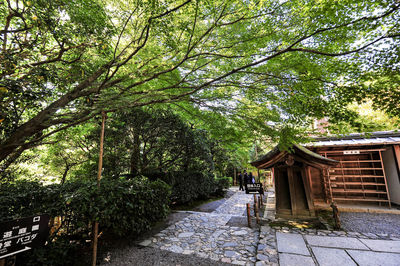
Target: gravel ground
151, 256
377, 223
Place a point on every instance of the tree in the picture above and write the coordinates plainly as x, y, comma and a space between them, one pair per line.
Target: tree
366, 119
70, 150
137, 141
63, 62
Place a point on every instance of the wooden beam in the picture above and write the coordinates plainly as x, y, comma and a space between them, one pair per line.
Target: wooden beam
384, 178
370, 176
396, 149
341, 151
292, 191
273, 161
327, 185
307, 189
314, 164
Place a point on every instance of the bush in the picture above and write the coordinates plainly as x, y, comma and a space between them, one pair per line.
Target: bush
221, 184
224, 182
190, 186
120, 206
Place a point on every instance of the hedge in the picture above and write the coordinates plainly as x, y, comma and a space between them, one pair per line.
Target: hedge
190, 186
121, 206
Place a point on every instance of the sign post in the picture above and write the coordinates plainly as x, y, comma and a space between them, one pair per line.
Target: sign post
23, 234
96, 224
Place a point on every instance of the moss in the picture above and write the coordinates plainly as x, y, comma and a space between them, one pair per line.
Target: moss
299, 224
327, 216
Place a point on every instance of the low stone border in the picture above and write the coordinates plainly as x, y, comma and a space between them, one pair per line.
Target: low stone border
270, 214
337, 233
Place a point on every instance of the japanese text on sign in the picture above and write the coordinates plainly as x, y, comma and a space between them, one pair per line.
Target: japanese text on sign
22, 234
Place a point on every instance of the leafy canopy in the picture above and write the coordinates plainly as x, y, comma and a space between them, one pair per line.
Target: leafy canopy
253, 61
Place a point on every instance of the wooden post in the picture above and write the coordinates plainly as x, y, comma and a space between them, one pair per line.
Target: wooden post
9, 261
336, 215
255, 198
248, 215
96, 224
256, 213
234, 176
292, 191
261, 200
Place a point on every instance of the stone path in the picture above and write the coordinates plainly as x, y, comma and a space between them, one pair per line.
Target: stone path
208, 235
311, 247
298, 249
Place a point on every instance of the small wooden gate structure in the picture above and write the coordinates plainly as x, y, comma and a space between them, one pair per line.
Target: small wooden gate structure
293, 179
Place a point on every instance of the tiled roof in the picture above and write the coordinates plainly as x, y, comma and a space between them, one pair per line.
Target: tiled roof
373, 138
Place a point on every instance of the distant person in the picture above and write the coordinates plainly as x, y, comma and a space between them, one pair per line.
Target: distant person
240, 176
251, 178
245, 177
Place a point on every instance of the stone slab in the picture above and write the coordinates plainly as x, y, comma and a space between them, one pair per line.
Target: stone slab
335, 242
382, 245
295, 260
145, 243
291, 243
332, 257
371, 258
185, 234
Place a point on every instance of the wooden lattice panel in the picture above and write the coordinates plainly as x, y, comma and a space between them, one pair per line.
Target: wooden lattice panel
359, 176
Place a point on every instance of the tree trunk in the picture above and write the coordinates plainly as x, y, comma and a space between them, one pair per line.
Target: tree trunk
65, 174
44, 119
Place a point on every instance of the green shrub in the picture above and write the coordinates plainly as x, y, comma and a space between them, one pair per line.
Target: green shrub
224, 182
191, 186
221, 184
120, 206
54, 253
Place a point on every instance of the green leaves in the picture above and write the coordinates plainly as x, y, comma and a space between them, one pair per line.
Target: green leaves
73, 59
122, 207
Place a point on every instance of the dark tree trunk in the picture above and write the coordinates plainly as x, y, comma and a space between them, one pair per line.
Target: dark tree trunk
45, 118
64, 176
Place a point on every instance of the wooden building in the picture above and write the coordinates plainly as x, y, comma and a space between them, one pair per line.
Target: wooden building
298, 179
368, 169
351, 169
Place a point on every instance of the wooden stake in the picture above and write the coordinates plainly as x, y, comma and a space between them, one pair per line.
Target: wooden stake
256, 213
96, 224
336, 215
248, 215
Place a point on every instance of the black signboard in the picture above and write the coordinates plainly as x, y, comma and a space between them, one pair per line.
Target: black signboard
23, 234
254, 188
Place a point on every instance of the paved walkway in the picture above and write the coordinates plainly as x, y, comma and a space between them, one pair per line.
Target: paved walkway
298, 249
209, 235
